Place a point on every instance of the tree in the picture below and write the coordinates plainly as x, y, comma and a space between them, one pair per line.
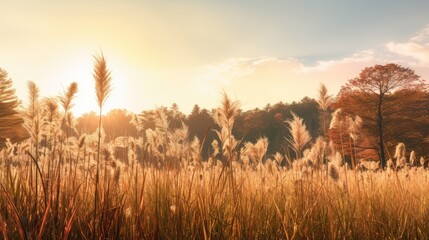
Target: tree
10, 121
87, 123
383, 96
201, 124
117, 123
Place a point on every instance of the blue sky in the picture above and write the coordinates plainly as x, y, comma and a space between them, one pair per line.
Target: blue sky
315, 30
186, 52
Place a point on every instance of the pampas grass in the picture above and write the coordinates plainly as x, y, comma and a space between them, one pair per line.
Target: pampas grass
102, 89
324, 100
197, 200
33, 123
171, 192
401, 160
224, 117
66, 102
413, 159
256, 152
68, 96
300, 137
102, 77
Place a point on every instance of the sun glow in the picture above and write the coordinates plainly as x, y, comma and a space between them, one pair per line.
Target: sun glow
79, 69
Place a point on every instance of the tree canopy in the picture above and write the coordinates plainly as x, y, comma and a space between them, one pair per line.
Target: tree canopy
390, 99
10, 121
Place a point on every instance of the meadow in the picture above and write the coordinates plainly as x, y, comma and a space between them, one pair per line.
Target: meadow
61, 185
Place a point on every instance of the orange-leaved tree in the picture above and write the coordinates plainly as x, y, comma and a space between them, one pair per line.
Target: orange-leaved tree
389, 99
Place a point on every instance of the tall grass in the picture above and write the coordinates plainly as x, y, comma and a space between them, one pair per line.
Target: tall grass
163, 188
299, 136
324, 100
102, 89
275, 203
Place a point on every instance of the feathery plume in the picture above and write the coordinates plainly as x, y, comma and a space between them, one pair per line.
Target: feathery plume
278, 157
354, 127
33, 95
336, 121
317, 152
400, 155
225, 115
102, 80
33, 122
50, 110
102, 89
257, 151
300, 137
67, 97
324, 100
413, 158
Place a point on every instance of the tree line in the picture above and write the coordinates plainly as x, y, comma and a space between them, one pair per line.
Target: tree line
383, 106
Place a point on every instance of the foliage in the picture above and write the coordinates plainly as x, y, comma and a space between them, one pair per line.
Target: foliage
10, 121
390, 99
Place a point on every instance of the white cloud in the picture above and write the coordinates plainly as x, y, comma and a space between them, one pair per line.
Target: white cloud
419, 51
422, 36
358, 57
257, 81
416, 47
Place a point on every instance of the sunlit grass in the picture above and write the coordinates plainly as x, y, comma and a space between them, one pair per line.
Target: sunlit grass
64, 184
197, 201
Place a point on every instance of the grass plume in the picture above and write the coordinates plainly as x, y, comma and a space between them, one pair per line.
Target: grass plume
324, 100
300, 137
68, 96
103, 88
102, 76
159, 184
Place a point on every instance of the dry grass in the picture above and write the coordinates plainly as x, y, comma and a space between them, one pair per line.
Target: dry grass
196, 202
300, 137
49, 189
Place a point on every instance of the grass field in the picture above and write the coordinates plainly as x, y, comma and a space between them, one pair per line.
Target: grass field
161, 188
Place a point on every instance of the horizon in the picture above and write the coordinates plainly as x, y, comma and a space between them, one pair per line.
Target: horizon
188, 53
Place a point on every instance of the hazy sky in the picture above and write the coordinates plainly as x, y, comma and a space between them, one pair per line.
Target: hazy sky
187, 52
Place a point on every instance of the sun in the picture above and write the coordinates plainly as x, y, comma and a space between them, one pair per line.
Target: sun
126, 84
79, 69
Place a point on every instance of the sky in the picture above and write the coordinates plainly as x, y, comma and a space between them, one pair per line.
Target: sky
188, 52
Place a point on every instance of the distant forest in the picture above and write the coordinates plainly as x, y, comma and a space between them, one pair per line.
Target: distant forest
371, 114
249, 125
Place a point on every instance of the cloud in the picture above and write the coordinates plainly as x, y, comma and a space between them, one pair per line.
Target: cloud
261, 80
256, 81
358, 57
416, 47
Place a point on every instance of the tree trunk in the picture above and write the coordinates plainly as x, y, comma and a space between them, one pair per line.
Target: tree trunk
380, 133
